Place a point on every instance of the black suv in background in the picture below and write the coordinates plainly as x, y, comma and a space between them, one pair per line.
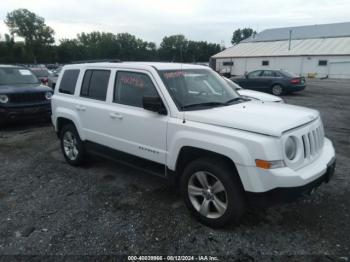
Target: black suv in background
22, 96
277, 82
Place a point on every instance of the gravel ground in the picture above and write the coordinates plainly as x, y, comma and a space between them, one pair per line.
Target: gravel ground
50, 208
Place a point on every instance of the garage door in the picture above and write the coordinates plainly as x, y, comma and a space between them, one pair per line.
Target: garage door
339, 70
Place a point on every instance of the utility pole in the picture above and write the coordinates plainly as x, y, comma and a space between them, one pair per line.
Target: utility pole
290, 39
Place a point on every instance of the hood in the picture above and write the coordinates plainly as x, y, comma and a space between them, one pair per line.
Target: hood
254, 116
259, 95
26, 88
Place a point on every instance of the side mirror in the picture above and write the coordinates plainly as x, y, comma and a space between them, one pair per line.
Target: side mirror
154, 103
246, 75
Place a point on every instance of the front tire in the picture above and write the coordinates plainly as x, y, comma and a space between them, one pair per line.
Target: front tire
72, 147
212, 191
277, 90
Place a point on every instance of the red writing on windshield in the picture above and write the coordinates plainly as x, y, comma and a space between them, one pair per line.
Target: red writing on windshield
169, 75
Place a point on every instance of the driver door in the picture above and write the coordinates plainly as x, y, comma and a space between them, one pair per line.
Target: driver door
253, 80
135, 130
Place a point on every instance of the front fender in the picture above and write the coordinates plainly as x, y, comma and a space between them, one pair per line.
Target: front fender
237, 152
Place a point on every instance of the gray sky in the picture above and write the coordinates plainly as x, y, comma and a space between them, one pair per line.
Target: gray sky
208, 20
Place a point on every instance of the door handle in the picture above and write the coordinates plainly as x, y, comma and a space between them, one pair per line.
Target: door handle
80, 108
116, 116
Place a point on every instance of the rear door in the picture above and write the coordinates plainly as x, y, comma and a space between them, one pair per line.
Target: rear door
92, 107
267, 79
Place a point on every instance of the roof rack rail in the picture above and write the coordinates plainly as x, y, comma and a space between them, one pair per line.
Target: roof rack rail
96, 61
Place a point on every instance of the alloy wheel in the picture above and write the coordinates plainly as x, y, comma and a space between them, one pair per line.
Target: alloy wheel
70, 145
207, 194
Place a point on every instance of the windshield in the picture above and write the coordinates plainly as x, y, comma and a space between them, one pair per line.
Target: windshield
197, 88
10, 76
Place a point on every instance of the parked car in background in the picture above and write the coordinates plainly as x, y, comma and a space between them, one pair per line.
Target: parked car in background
251, 94
183, 122
277, 82
22, 96
42, 73
52, 79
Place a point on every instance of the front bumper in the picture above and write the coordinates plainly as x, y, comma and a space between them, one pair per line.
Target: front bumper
289, 194
24, 112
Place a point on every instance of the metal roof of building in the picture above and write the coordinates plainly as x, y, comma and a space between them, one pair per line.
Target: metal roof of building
303, 32
320, 46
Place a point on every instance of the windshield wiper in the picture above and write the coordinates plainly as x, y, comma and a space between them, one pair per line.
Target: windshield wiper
236, 99
203, 104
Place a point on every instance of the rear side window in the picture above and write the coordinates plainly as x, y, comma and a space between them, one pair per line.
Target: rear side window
268, 73
69, 81
95, 84
131, 87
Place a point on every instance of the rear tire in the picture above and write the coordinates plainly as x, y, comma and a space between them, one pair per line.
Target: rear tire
72, 147
212, 191
277, 90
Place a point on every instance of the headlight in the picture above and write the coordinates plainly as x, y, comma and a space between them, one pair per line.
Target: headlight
291, 148
4, 99
48, 95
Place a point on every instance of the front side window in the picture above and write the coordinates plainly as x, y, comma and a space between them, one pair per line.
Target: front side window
131, 87
17, 76
69, 81
254, 74
95, 84
197, 88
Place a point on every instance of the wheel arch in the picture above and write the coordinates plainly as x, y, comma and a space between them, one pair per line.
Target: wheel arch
62, 121
188, 154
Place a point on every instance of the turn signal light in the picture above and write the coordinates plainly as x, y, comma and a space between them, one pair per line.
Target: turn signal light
264, 164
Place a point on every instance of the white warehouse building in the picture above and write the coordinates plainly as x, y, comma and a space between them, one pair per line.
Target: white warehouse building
311, 51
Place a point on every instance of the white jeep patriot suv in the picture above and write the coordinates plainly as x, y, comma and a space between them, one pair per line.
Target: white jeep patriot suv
185, 123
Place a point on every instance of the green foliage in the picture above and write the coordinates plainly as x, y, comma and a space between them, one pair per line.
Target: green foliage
241, 34
32, 28
38, 40
177, 48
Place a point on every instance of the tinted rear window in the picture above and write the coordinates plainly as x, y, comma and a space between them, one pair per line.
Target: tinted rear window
95, 84
69, 81
13, 76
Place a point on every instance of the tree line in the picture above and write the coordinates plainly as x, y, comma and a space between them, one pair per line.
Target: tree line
39, 46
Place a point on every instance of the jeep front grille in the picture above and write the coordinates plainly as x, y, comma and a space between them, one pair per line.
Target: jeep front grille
313, 142
23, 98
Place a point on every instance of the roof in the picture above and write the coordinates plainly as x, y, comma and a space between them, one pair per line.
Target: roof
306, 47
303, 32
141, 65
